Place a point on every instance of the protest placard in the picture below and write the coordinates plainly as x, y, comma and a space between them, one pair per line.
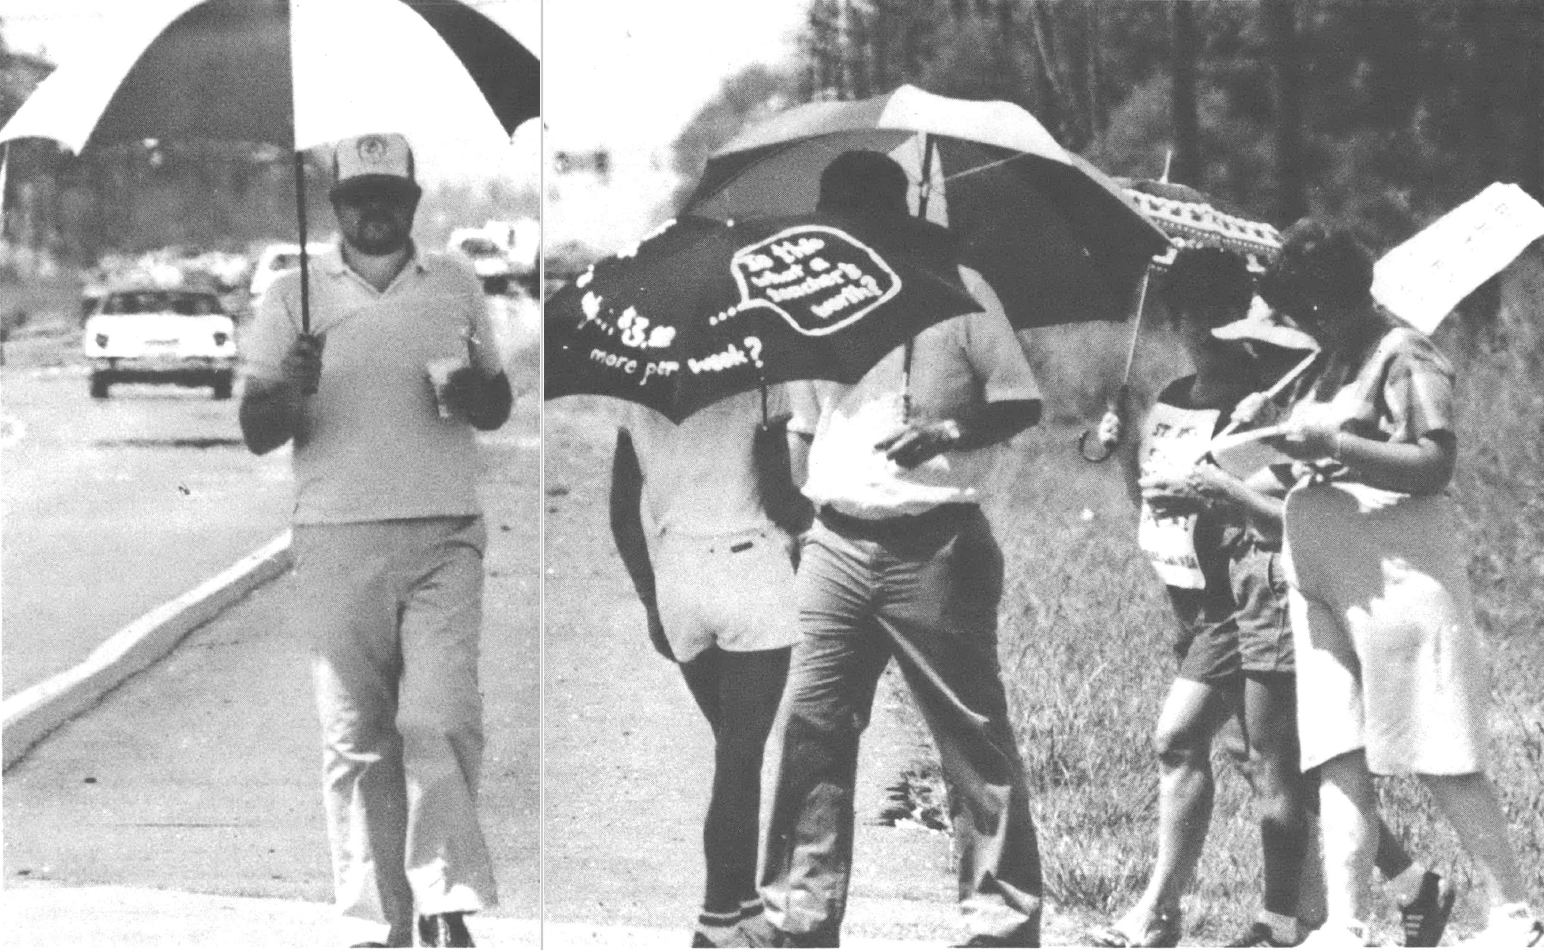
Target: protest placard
1423, 279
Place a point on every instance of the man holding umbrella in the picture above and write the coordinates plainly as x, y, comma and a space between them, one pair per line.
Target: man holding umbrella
388, 541
901, 563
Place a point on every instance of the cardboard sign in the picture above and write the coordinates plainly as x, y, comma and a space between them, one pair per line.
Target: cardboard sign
817, 278
1174, 440
1423, 279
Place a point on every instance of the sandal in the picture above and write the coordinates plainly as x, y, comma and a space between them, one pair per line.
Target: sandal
1163, 930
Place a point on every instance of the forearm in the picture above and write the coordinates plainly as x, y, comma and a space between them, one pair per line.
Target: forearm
1424, 467
269, 415
1255, 503
994, 422
627, 519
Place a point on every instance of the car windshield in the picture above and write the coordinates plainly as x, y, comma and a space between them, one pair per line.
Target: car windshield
480, 247
161, 301
284, 261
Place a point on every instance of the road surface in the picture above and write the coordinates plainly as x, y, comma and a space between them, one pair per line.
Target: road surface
113, 507
201, 776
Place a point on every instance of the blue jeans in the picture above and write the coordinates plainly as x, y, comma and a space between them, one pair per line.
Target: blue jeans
925, 591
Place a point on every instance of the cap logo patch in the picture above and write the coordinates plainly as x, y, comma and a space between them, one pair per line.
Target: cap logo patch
372, 149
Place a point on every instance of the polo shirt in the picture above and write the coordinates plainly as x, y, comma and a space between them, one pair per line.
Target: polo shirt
371, 445
965, 361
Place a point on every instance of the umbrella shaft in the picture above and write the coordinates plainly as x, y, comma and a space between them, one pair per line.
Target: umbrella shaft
300, 214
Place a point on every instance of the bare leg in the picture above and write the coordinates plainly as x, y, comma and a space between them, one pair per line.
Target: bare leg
1192, 714
1270, 723
1348, 814
1469, 802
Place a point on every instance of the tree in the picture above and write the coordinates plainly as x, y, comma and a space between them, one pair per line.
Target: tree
751, 94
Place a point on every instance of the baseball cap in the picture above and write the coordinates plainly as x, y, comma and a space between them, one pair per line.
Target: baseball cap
373, 161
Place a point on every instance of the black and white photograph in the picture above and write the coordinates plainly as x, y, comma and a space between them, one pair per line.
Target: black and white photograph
796, 473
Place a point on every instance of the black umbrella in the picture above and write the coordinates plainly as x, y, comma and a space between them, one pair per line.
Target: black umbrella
702, 309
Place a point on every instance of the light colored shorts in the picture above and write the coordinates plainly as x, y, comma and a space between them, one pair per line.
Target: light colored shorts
732, 591
1388, 659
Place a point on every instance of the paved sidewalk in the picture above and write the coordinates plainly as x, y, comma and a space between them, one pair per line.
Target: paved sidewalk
186, 807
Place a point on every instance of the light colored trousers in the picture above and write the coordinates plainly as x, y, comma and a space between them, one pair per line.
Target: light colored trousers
394, 611
923, 590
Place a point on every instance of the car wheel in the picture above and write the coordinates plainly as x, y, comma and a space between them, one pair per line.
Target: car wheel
99, 386
222, 386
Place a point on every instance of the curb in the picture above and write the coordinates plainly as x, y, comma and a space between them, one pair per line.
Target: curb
30, 715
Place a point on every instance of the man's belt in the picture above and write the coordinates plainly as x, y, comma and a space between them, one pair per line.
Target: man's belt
942, 516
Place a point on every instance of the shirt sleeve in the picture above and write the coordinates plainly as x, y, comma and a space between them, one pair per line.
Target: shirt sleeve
803, 407
482, 342
993, 349
272, 331
1418, 391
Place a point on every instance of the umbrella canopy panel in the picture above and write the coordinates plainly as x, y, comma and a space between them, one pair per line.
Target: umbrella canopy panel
701, 310
296, 74
1191, 219
221, 72
1056, 242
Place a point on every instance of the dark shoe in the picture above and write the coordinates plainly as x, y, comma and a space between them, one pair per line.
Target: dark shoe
760, 932
1425, 918
1022, 939
1259, 934
444, 930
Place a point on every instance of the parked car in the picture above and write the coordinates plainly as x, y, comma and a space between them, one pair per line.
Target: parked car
182, 337
275, 259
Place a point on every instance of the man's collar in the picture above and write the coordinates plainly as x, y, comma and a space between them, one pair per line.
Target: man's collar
337, 266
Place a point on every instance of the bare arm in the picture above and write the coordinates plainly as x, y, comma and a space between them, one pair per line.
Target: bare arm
975, 428
627, 531
1423, 467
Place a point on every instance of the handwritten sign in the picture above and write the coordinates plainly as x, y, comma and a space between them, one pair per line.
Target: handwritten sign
1423, 279
816, 277
1173, 440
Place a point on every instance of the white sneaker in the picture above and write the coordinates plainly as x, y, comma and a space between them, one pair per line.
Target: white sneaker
1336, 934
1511, 925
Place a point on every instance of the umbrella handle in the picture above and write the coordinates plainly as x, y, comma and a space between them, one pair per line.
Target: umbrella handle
1108, 450
1122, 397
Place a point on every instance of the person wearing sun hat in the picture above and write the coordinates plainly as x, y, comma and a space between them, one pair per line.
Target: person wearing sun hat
388, 542
1391, 669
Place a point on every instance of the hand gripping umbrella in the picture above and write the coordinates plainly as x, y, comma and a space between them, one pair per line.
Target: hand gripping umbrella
291, 73
703, 309
1187, 218
1056, 238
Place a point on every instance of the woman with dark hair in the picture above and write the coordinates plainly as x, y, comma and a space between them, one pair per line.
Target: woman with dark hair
1389, 663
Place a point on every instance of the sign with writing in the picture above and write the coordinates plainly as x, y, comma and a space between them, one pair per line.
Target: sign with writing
816, 277
1423, 279
1173, 441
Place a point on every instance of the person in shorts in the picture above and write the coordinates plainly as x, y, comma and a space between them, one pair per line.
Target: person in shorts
1215, 541
695, 511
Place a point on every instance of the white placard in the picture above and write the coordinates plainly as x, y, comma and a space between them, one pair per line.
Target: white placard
1173, 441
1423, 279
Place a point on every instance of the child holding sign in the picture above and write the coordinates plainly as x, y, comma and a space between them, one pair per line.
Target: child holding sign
1215, 541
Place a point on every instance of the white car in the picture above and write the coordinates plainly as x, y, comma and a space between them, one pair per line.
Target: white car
182, 337
275, 260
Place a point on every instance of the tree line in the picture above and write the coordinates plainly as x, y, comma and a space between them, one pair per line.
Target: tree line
1381, 112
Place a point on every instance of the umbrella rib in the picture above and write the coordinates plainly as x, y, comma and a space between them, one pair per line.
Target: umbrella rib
989, 165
